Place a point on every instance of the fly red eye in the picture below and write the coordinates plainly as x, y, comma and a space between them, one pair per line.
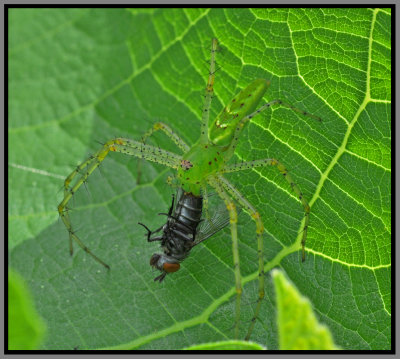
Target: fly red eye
171, 267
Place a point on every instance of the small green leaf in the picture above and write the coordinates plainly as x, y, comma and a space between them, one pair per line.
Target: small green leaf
227, 345
25, 327
298, 327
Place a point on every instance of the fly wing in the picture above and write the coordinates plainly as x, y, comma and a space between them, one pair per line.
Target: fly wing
209, 226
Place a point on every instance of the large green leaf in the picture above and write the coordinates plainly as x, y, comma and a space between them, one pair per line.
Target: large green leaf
78, 76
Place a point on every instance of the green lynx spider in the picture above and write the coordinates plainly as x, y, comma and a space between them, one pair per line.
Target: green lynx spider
200, 165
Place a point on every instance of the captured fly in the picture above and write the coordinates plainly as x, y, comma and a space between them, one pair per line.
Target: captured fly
185, 228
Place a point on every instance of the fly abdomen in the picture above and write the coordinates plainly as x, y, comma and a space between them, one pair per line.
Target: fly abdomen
188, 213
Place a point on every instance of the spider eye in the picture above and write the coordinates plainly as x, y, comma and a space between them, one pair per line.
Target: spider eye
171, 267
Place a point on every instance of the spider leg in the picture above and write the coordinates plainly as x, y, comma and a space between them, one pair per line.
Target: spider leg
247, 118
73, 236
214, 182
208, 94
168, 131
73, 183
206, 206
171, 134
282, 169
260, 246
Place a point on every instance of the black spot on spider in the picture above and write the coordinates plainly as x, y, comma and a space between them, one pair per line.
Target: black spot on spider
185, 164
209, 163
242, 104
234, 100
215, 159
205, 146
250, 94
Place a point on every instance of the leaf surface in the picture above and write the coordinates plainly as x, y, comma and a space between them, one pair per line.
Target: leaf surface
77, 76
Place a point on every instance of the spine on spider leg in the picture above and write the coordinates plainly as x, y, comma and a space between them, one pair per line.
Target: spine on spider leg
122, 145
282, 169
247, 165
225, 130
255, 215
204, 193
148, 152
230, 205
77, 170
261, 273
168, 131
208, 94
160, 126
91, 164
295, 109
